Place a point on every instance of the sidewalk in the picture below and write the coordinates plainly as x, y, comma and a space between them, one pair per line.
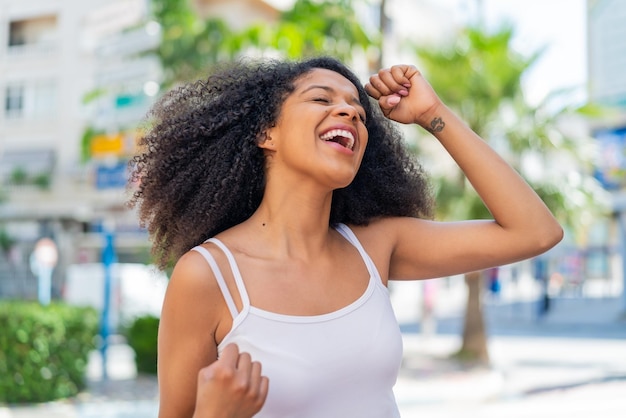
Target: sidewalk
571, 362
574, 361
530, 376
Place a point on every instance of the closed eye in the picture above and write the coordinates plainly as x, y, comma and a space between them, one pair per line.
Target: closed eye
328, 101
321, 99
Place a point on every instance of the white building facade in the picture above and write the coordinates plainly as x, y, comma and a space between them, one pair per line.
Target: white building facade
56, 180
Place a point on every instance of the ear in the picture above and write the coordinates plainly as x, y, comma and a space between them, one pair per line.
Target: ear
265, 141
268, 144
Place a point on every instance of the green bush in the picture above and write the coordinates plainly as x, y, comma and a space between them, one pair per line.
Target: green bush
142, 337
44, 350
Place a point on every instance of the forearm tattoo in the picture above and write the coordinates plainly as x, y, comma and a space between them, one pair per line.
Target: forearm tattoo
436, 125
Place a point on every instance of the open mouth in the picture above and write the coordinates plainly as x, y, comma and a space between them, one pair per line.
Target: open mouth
340, 136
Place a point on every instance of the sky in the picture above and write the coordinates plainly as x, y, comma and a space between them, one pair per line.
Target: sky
559, 25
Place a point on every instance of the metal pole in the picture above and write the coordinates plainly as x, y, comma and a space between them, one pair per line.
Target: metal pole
44, 288
43, 260
621, 223
108, 258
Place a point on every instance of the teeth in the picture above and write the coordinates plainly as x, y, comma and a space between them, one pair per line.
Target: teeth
340, 132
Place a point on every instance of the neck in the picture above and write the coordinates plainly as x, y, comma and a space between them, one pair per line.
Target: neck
293, 221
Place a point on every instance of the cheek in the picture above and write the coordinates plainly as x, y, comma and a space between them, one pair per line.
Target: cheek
364, 137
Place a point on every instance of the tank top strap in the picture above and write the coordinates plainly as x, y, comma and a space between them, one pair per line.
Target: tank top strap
241, 287
219, 277
347, 233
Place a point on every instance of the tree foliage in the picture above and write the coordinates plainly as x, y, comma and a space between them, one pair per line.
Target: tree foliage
190, 43
311, 27
483, 81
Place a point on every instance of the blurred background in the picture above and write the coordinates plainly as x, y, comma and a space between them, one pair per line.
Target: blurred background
542, 81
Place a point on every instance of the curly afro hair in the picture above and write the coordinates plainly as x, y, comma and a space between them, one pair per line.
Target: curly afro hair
200, 171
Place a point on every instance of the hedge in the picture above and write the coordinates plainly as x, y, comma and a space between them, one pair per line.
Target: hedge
142, 338
44, 350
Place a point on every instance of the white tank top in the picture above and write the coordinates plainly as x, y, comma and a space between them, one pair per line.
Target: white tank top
342, 364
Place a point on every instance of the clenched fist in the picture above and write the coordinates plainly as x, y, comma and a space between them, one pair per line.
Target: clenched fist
231, 387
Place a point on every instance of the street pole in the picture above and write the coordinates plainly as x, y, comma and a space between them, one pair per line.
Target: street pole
44, 285
45, 257
108, 258
621, 223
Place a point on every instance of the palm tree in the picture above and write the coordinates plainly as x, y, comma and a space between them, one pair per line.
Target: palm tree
480, 75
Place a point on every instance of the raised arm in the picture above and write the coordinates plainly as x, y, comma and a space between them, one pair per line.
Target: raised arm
522, 226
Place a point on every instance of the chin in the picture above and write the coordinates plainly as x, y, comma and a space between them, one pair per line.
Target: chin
344, 184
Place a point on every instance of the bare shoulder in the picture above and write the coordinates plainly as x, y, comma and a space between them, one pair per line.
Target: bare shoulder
192, 276
192, 311
193, 298
380, 239
385, 231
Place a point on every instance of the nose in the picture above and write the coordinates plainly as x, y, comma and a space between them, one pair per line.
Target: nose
346, 110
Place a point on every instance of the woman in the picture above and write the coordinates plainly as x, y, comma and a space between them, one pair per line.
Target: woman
288, 200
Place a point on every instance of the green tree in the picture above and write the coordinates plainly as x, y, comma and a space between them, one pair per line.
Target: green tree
190, 44
6, 241
480, 75
311, 27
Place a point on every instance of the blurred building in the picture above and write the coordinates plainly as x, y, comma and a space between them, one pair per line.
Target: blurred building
54, 56
238, 14
607, 86
74, 83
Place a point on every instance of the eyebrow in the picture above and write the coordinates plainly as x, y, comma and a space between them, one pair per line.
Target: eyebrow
329, 90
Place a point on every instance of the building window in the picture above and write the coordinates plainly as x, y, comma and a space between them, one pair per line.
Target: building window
36, 100
34, 35
27, 167
44, 99
16, 34
14, 102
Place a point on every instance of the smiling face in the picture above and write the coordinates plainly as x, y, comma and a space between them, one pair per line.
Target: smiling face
320, 134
